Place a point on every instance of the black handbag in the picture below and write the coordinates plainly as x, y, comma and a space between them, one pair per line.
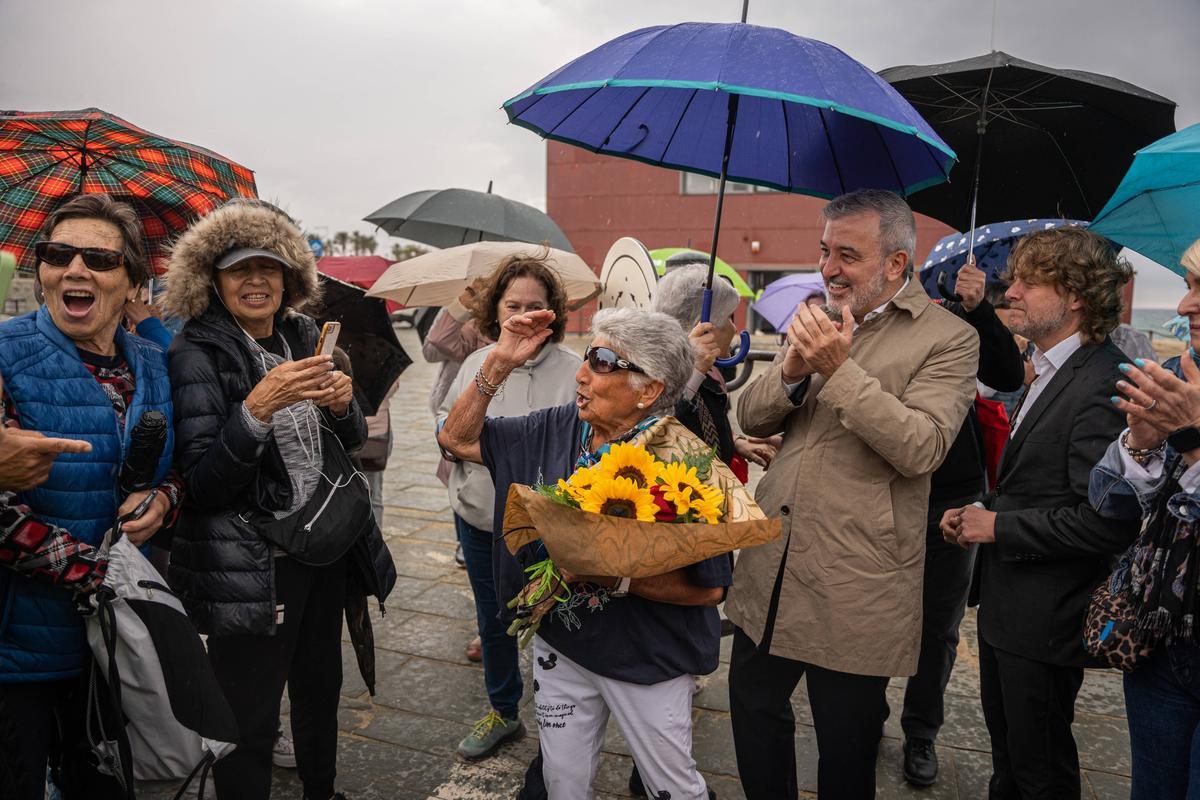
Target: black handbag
336, 516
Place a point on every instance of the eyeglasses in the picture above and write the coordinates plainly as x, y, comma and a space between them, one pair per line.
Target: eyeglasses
602, 360
60, 254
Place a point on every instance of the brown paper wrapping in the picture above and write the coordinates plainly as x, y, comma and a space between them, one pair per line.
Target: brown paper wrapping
594, 544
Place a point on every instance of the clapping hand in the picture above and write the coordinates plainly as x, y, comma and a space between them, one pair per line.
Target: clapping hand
1156, 403
821, 344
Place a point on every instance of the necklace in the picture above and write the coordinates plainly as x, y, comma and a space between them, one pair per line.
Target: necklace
589, 457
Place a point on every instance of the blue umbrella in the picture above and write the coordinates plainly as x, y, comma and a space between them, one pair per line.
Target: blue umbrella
1156, 208
742, 102
992, 245
779, 299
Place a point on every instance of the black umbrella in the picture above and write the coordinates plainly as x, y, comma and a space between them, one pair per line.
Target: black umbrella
367, 336
450, 217
1033, 141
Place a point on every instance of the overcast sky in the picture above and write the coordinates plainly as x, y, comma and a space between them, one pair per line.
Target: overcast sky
340, 106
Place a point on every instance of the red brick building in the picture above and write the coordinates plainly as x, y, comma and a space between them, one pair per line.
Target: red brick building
764, 234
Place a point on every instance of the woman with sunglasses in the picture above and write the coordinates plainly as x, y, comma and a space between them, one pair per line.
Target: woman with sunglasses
521, 284
70, 369
629, 648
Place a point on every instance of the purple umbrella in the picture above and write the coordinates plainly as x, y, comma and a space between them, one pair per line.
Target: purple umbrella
738, 102
779, 300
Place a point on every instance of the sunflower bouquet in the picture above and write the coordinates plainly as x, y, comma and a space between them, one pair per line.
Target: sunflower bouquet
649, 506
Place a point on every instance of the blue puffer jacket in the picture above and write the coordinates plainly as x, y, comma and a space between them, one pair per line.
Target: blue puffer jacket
41, 636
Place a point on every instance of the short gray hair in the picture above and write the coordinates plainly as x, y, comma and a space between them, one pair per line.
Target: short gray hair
897, 228
681, 292
653, 341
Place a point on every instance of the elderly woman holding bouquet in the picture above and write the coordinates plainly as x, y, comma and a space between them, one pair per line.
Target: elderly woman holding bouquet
620, 646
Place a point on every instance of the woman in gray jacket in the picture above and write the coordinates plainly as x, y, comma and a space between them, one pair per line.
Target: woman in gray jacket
521, 284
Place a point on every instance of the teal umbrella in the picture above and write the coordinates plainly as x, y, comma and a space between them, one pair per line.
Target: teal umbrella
1156, 209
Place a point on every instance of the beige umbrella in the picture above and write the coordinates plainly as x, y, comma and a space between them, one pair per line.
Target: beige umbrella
437, 278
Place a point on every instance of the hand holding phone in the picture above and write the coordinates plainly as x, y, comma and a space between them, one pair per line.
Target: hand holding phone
329, 336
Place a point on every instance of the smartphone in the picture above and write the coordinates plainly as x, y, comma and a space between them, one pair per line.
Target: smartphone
329, 337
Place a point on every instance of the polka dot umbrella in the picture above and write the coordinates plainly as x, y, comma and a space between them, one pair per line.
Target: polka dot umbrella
48, 157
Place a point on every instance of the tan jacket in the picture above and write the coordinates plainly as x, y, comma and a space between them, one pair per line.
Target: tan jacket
851, 485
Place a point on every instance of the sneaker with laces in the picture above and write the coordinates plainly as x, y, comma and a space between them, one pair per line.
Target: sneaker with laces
490, 732
283, 754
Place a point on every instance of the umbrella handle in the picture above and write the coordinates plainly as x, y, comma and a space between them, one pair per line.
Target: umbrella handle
743, 348
944, 290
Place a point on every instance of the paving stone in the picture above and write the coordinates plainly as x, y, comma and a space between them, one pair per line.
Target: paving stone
421, 497
714, 690
889, 776
972, 770
430, 636
437, 532
445, 599
1102, 692
420, 559
435, 689
1106, 786
1103, 743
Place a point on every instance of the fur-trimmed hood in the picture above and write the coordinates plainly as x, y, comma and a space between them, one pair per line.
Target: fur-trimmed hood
190, 282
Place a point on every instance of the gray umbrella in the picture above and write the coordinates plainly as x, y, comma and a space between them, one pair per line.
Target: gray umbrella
450, 217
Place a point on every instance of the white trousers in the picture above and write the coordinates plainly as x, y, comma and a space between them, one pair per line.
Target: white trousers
573, 705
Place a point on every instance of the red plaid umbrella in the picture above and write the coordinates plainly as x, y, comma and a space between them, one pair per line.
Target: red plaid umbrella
49, 156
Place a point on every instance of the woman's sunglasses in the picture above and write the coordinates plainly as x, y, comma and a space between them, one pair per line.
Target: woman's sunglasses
602, 360
59, 254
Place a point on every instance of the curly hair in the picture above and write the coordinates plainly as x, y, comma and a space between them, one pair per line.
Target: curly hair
1075, 260
520, 265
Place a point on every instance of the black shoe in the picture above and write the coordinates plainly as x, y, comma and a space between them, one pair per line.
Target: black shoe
920, 762
636, 787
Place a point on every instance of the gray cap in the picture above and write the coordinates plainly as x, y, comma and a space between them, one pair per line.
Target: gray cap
245, 253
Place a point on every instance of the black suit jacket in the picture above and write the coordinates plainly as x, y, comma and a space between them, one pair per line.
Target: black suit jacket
1052, 549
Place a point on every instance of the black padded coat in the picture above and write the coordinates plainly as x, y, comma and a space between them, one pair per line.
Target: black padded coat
223, 573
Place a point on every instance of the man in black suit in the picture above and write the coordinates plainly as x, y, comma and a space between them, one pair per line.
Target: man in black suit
1042, 547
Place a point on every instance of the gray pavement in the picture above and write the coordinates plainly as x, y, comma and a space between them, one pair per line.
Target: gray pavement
401, 743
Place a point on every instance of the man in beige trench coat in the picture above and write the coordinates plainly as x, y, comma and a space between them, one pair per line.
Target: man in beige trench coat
868, 408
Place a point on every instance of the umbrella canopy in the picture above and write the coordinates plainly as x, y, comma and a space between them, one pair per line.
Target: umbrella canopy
779, 299
1156, 208
437, 278
362, 271
368, 338
1047, 142
810, 119
992, 245
665, 256
47, 157
451, 217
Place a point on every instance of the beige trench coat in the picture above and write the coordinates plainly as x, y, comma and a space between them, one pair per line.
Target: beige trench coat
851, 485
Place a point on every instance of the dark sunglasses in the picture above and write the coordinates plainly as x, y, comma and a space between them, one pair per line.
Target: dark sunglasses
602, 360
59, 254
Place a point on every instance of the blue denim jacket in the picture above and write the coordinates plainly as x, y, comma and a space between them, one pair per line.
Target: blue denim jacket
1116, 496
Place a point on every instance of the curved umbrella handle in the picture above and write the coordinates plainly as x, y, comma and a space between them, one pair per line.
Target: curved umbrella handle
944, 290
743, 348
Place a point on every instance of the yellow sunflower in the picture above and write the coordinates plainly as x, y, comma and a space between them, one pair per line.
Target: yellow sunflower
708, 504
619, 497
680, 485
632, 462
580, 481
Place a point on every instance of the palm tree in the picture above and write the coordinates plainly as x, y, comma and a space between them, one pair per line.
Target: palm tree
405, 252
356, 241
341, 237
370, 245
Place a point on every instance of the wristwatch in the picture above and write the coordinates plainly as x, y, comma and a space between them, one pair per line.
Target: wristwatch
620, 588
1184, 440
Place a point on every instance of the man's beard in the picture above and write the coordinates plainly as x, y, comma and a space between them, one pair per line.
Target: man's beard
1035, 327
862, 299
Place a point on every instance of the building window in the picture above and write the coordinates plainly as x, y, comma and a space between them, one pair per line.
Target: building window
691, 183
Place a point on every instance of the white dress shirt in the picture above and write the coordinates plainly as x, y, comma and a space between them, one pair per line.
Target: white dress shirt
1045, 366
